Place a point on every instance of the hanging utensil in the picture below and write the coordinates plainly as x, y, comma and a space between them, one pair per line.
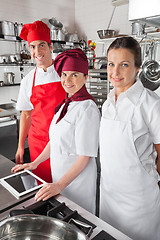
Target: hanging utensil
151, 70
107, 33
148, 84
111, 18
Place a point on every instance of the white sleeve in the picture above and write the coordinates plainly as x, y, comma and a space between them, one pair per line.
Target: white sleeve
87, 130
23, 102
154, 119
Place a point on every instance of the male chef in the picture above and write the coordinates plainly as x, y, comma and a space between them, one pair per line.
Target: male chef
40, 92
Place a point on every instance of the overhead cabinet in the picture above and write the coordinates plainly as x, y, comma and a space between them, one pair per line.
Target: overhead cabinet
146, 11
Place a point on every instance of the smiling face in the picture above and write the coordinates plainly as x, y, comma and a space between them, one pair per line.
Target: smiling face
72, 81
41, 53
121, 69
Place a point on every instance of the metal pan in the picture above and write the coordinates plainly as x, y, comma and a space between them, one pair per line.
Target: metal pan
151, 70
36, 227
148, 84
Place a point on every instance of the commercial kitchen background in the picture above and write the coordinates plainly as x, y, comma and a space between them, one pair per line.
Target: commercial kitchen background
83, 17
78, 16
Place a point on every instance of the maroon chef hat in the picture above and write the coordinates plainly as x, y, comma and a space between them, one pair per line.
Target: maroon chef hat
35, 31
71, 60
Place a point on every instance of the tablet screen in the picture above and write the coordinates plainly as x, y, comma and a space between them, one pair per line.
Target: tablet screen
21, 183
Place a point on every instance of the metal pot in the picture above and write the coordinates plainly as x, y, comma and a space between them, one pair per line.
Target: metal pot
18, 28
9, 78
4, 59
148, 84
151, 70
138, 28
38, 227
7, 28
15, 58
54, 34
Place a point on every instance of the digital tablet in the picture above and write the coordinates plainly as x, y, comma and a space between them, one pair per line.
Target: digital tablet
21, 183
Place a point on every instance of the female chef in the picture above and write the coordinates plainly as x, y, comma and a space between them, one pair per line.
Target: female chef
130, 147
73, 133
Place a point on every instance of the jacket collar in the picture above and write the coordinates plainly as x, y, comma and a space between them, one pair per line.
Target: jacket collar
133, 93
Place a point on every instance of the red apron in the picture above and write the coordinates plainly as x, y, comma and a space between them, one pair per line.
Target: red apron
44, 99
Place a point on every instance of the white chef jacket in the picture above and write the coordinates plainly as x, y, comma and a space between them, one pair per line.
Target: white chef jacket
144, 122
76, 134
23, 102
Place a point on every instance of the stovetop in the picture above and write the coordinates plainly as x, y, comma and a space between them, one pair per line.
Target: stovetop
65, 210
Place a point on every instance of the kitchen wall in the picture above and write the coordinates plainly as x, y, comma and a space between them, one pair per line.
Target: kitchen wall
93, 15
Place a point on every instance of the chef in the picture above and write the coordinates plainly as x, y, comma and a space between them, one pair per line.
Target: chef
40, 92
73, 135
130, 147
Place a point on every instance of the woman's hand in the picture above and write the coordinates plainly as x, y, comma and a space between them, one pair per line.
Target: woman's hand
28, 166
47, 191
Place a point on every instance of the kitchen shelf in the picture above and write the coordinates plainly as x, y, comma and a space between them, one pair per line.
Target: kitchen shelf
17, 38
18, 64
10, 38
11, 85
65, 42
97, 71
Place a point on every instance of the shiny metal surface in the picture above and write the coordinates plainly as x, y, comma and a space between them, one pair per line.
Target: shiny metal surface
34, 227
148, 84
151, 70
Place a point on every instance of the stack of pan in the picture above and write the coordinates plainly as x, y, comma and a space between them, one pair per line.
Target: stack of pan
150, 74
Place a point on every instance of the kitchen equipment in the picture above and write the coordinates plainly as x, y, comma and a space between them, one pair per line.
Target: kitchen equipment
151, 70
18, 28
60, 35
106, 33
7, 28
38, 227
138, 28
9, 78
58, 207
147, 83
4, 59
90, 55
1, 83
73, 37
54, 34
15, 58
57, 34
57, 25
25, 54
57, 48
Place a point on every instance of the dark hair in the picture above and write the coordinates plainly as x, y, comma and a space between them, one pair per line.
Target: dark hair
129, 43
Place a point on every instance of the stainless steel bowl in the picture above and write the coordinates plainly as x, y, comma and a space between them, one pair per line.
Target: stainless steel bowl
36, 227
106, 33
151, 70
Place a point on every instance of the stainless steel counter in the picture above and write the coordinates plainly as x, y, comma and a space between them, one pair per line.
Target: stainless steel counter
7, 200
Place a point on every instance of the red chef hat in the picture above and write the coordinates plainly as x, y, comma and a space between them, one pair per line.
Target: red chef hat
71, 60
35, 31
